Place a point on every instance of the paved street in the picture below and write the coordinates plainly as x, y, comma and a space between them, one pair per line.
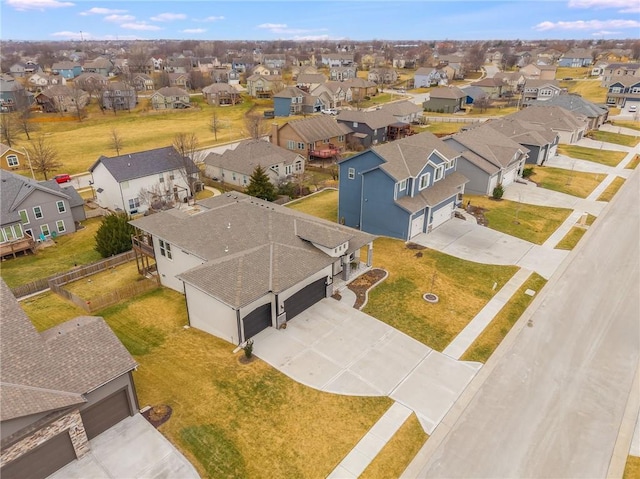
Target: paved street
558, 397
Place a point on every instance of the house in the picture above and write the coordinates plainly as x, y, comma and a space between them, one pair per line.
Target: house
180, 80
361, 89
293, 101
170, 98
333, 94
60, 388
119, 96
235, 166
310, 81
12, 159
100, 65
339, 73
338, 60
91, 81
35, 209
495, 88
595, 114
62, 98
425, 77
576, 58
445, 99
487, 158
260, 266
66, 69
43, 80
514, 80
264, 86
382, 76
569, 126
142, 82
400, 189
540, 90
617, 70
474, 94
615, 56
624, 91
369, 127
221, 94
274, 60
318, 137
265, 70
541, 141
539, 72
404, 111
138, 181
12, 94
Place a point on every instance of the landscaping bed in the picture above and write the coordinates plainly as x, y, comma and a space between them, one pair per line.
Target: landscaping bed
363, 283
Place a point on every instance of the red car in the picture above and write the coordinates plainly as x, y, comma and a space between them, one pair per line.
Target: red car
64, 178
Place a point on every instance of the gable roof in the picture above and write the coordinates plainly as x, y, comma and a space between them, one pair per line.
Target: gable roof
143, 163
536, 83
311, 78
53, 369
552, 116
523, 132
291, 92
576, 104
448, 92
252, 153
317, 128
374, 119
401, 108
251, 247
171, 91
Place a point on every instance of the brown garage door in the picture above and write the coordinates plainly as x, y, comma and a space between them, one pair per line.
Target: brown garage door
42, 461
104, 414
307, 296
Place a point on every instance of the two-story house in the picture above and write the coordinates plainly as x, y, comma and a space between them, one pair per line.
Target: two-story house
12, 159
289, 101
576, 58
100, 65
119, 96
540, 90
264, 86
382, 76
170, 98
343, 73
138, 181
142, 82
221, 94
624, 91
425, 77
309, 81
62, 98
235, 166
333, 94
445, 99
616, 70
369, 127
66, 69
315, 138
361, 89
400, 189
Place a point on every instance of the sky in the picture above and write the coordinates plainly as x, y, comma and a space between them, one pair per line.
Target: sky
319, 20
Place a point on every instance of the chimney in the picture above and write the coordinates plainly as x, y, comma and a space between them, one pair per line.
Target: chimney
274, 134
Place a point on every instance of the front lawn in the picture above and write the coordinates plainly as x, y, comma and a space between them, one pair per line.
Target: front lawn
73, 249
605, 157
612, 189
485, 344
634, 125
632, 468
528, 222
571, 182
617, 138
230, 419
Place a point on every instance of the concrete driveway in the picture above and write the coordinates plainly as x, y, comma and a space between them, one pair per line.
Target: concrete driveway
131, 449
336, 348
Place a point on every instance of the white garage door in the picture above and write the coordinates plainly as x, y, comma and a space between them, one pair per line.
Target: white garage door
417, 226
442, 215
509, 177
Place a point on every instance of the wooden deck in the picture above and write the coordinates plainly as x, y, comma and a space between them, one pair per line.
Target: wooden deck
18, 246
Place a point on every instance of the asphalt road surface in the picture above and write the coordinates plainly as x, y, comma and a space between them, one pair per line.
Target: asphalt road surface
558, 399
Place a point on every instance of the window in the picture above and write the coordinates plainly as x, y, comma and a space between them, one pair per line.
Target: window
352, 173
60, 226
233, 176
37, 212
616, 89
451, 164
635, 89
165, 249
341, 138
161, 178
61, 207
403, 185
439, 173
172, 177
12, 161
45, 229
424, 181
355, 124
244, 179
24, 217
298, 166
300, 146
291, 144
134, 204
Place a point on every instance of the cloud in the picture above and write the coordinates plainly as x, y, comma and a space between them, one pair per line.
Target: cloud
282, 28
213, 18
72, 35
604, 33
119, 18
623, 6
101, 11
587, 25
272, 26
140, 26
194, 30
168, 17
23, 5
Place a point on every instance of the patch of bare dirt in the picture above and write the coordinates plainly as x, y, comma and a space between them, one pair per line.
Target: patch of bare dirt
364, 283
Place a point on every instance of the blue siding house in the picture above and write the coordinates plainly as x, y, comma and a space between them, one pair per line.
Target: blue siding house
400, 189
66, 69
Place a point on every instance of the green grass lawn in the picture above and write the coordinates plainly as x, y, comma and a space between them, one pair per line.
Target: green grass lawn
575, 183
534, 223
617, 138
396, 455
70, 250
605, 157
231, 420
323, 205
633, 164
612, 189
485, 344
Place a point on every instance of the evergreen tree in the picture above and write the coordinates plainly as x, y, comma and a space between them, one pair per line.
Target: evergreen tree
114, 235
260, 186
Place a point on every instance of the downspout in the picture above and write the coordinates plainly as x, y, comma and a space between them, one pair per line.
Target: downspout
361, 201
239, 328
186, 301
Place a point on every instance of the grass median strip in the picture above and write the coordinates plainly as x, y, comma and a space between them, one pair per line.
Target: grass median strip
612, 189
604, 157
575, 183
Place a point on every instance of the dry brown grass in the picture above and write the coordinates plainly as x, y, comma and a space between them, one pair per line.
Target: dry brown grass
108, 280
576, 183
612, 189
632, 469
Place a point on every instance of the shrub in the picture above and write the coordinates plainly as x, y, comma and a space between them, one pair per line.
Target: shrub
498, 191
114, 235
248, 349
527, 172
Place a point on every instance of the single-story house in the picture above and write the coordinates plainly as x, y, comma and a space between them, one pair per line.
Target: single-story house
540, 90
495, 88
400, 189
576, 58
595, 114
245, 264
570, 126
404, 111
66, 69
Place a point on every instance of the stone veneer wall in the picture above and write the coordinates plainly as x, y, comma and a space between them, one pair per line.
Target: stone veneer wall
71, 422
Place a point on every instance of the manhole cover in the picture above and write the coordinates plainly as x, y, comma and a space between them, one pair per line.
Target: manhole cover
430, 298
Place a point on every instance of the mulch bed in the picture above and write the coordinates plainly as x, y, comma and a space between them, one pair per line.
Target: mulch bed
364, 283
478, 213
158, 415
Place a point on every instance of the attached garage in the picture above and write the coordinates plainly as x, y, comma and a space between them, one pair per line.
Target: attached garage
306, 297
417, 226
106, 413
256, 321
42, 461
509, 177
442, 215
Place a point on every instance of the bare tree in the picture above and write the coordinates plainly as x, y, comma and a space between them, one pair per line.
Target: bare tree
256, 126
8, 128
43, 157
156, 197
116, 141
79, 102
23, 117
215, 124
189, 157
138, 59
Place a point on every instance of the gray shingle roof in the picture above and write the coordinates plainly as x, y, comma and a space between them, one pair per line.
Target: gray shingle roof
551, 116
291, 92
451, 93
144, 163
447, 187
524, 132
575, 104
52, 370
250, 246
374, 119
249, 154
318, 128
402, 108
171, 91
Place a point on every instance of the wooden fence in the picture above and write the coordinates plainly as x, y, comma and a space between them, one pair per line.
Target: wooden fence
448, 119
30, 288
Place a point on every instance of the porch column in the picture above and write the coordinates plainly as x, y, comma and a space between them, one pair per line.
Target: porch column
370, 255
